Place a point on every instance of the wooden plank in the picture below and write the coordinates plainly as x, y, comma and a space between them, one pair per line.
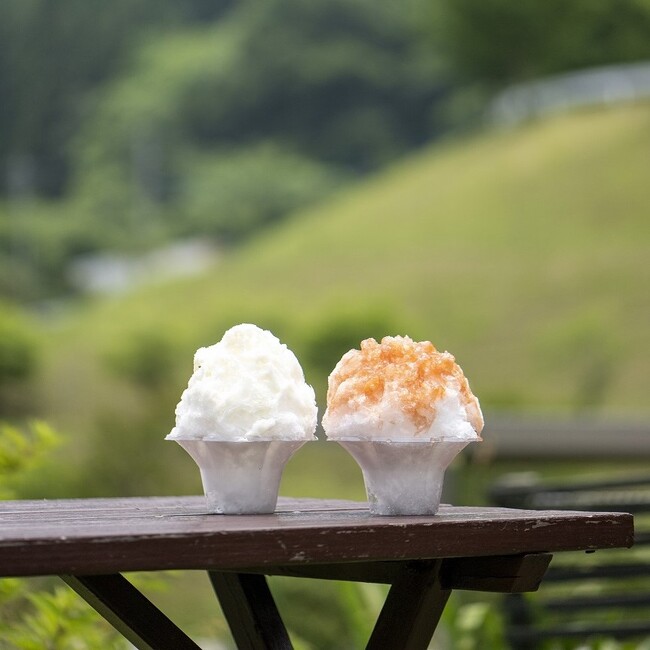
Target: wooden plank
371, 572
56, 537
250, 611
103, 509
502, 574
512, 574
130, 613
412, 609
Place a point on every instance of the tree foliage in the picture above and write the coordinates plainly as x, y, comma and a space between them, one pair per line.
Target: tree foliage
154, 119
501, 41
18, 354
53, 55
250, 117
33, 619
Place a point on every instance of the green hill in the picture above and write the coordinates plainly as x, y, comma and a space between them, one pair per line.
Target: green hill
523, 252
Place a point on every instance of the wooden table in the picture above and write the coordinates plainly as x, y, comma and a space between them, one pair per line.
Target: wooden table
91, 542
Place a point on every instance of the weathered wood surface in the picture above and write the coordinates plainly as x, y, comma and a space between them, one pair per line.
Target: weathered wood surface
95, 536
497, 573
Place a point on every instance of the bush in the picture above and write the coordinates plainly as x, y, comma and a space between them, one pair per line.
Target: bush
146, 359
34, 619
333, 336
17, 346
340, 330
18, 360
232, 193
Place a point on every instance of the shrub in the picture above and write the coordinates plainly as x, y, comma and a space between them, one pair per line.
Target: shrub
34, 619
17, 346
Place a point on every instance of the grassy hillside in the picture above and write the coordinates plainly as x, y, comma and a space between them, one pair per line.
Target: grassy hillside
522, 252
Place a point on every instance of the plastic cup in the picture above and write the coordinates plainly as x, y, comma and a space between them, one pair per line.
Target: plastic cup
241, 477
403, 478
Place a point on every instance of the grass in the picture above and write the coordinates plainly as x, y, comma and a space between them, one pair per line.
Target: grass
523, 252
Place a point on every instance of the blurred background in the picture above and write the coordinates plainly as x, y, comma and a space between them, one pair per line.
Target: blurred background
471, 172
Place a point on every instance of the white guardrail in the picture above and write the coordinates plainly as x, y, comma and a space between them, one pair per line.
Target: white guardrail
594, 87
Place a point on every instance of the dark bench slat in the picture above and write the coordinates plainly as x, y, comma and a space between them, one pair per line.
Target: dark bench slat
615, 494
520, 484
633, 502
597, 572
627, 630
580, 485
641, 538
532, 620
573, 603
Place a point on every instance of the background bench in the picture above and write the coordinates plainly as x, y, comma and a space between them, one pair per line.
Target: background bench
584, 596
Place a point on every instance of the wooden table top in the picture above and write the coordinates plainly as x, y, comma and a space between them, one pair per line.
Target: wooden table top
95, 536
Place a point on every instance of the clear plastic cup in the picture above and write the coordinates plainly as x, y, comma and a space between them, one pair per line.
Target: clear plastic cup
403, 478
241, 477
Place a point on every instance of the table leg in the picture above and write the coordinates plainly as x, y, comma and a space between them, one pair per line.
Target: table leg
250, 610
412, 609
130, 612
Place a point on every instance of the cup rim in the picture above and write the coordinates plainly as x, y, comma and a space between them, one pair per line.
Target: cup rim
237, 440
404, 441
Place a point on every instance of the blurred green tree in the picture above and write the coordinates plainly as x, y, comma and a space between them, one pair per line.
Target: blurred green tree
231, 194
53, 55
18, 359
223, 127
162, 118
499, 41
41, 618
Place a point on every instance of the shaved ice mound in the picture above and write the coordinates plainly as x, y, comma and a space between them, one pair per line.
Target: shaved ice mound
245, 411
403, 410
